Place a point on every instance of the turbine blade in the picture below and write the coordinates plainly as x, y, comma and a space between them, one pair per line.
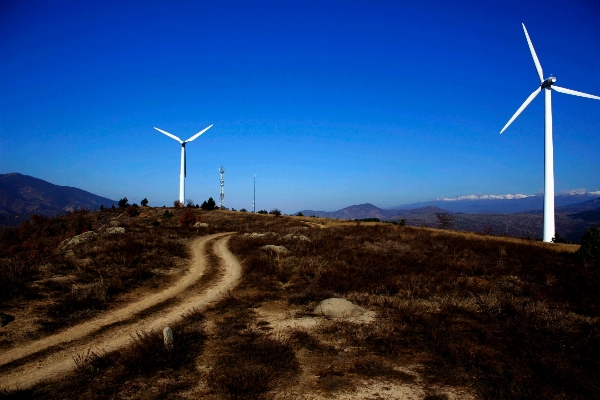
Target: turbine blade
574, 92
520, 110
198, 134
169, 135
538, 66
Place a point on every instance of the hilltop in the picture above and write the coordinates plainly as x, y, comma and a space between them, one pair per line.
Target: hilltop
23, 195
441, 314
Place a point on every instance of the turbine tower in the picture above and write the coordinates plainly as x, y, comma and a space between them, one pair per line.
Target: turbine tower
548, 85
222, 196
183, 166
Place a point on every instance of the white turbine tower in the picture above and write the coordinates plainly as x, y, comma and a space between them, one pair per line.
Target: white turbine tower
547, 84
183, 167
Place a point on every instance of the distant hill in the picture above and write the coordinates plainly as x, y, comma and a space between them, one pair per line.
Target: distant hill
23, 195
368, 210
503, 204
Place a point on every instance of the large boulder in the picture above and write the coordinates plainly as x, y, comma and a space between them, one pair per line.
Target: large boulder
339, 308
271, 248
84, 237
200, 225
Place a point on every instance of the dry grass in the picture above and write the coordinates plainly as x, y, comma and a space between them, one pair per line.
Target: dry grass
456, 312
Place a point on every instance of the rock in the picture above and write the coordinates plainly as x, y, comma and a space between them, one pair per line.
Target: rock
69, 253
114, 223
339, 308
275, 249
257, 235
168, 338
5, 319
301, 238
115, 230
200, 225
84, 237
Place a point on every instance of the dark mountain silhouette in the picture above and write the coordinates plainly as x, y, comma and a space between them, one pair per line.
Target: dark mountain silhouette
23, 195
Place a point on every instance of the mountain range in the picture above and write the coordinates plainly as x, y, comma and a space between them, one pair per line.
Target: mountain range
23, 195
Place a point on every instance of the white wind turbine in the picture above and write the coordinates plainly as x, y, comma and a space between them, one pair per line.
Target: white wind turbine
183, 167
547, 84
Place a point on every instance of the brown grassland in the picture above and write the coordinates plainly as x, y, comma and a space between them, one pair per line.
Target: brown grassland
454, 315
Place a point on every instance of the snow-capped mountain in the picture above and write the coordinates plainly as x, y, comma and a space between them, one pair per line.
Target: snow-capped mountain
507, 203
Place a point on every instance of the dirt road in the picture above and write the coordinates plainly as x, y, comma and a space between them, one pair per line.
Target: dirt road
113, 330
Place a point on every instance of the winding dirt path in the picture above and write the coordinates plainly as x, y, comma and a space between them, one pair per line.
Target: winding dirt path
58, 350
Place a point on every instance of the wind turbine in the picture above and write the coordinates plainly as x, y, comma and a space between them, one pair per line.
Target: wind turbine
549, 85
183, 168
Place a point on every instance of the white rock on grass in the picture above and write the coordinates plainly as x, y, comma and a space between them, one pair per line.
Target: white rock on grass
114, 223
115, 230
200, 225
257, 235
275, 249
339, 308
84, 237
301, 238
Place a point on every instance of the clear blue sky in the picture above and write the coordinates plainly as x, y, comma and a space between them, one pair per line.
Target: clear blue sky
329, 103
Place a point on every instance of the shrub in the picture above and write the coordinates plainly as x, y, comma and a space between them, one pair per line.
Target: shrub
167, 214
209, 204
243, 210
190, 203
263, 212
445, 220
144, 202
177, 204
299, 215
123, 203
188, 219
275, 212
590, 244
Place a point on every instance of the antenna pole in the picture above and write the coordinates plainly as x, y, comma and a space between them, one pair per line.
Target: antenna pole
254, 199
222, 202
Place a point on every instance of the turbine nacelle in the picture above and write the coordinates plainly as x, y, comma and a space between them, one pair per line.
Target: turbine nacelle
548, 82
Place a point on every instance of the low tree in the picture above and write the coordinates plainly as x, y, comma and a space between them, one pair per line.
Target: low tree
101, 207
275, 212
262, 212
590, 244
209, 204
177, 204
445, 220
123, 203
187, 219
243, 210
144, 202
190, 203
299, 215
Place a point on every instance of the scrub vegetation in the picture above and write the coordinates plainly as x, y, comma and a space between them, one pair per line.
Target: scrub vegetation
456, 315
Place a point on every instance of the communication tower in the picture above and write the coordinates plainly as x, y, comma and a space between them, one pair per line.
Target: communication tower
222, 202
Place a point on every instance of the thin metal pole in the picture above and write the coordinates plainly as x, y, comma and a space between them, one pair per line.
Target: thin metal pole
254, 199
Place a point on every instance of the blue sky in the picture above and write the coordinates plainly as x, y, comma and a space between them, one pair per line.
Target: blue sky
329, 103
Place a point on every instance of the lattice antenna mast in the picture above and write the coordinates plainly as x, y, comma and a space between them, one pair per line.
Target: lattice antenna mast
222, 202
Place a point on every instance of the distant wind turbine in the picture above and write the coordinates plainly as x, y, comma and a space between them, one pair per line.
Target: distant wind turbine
183, 167
548, 84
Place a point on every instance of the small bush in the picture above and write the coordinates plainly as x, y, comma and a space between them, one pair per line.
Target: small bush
208, 205
590, 244
177, 204
123, 203
167, 214
144, 202
188, 219
275, 212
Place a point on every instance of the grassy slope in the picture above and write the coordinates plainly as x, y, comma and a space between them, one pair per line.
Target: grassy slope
499, 318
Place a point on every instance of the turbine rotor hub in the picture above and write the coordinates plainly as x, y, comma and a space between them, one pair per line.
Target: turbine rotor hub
548, 82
